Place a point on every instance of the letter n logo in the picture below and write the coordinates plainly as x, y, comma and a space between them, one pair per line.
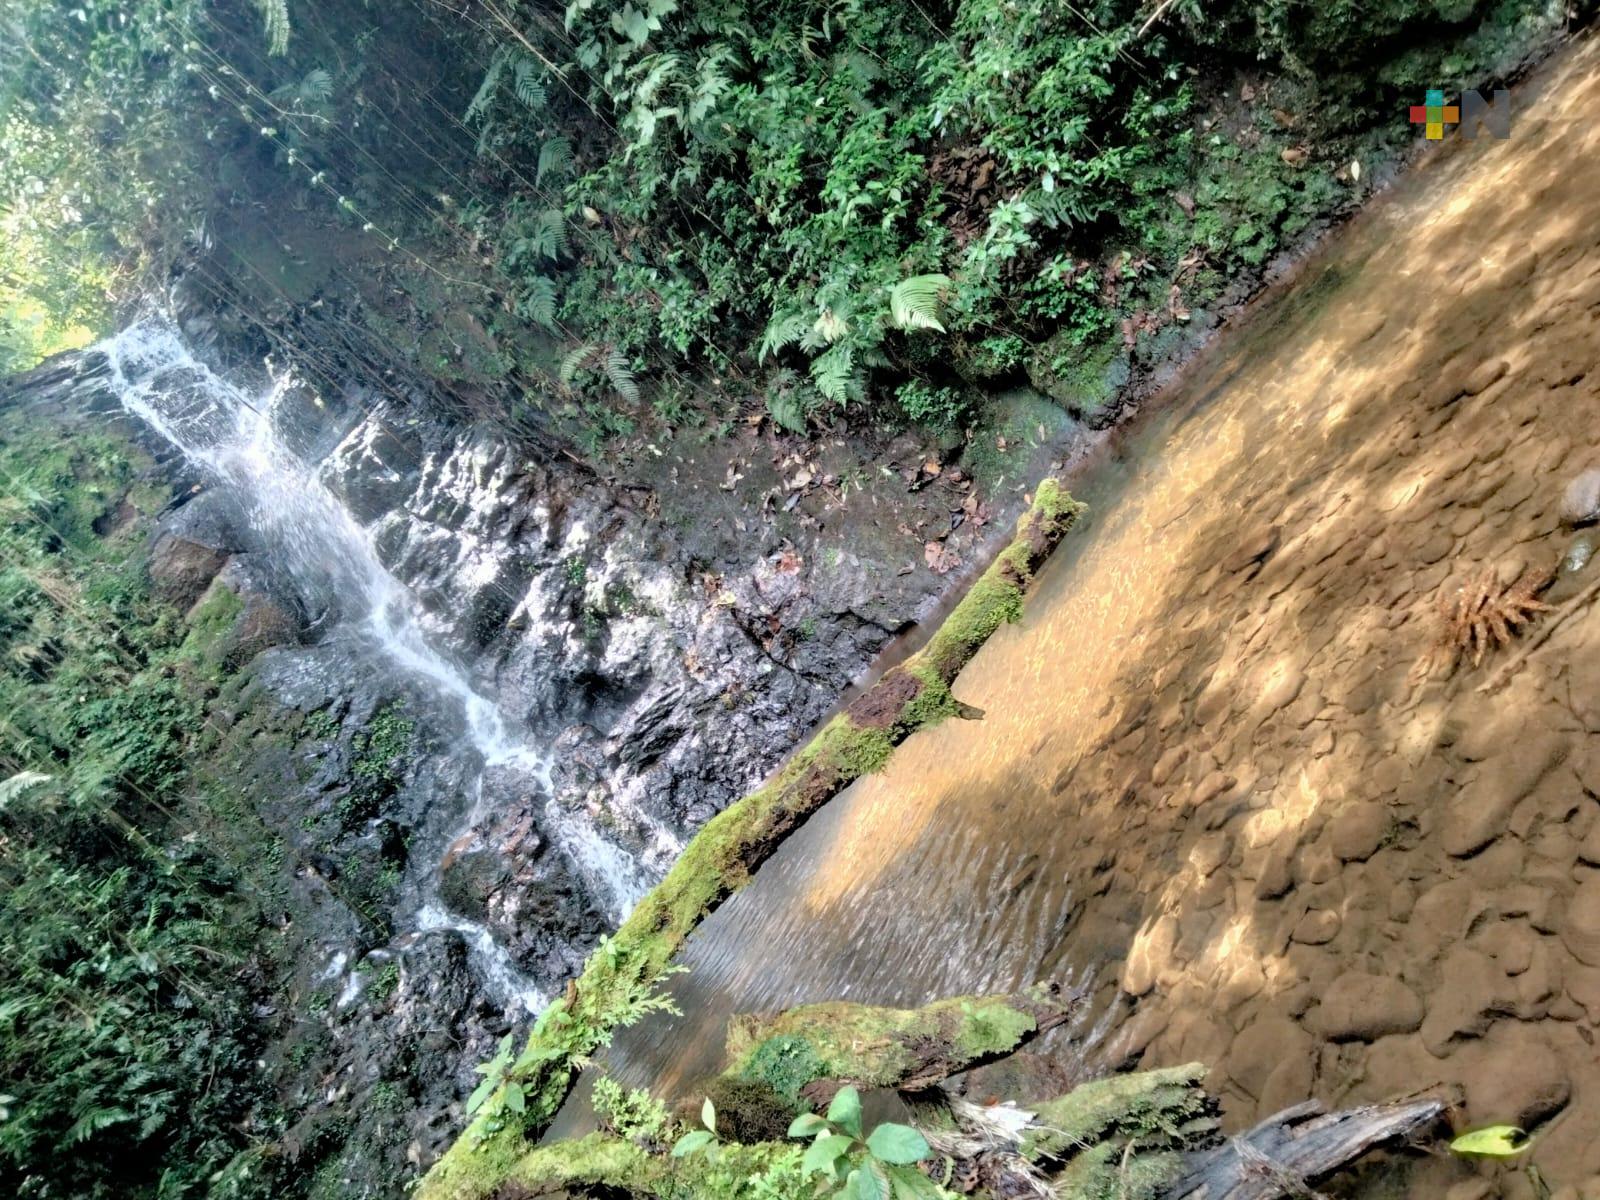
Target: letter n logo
1496, 117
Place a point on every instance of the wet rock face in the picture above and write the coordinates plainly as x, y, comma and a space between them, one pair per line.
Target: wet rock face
672, 664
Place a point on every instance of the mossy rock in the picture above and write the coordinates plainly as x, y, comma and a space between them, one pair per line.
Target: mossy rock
1085, 379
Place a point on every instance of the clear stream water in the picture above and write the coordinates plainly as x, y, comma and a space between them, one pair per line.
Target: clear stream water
238, 438
1044, 842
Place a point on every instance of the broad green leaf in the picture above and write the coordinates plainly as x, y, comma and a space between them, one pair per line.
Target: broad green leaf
898, 1144
908, 1183
1493, 1141
481, 1093
824, 1154
515, 1098
806, 1124
708, 1115
845, 1111
694, 1140
866, 1184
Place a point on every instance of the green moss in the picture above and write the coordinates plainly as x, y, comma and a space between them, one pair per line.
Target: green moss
1082, 377
990, 1028
785, 1063
210, 623
1151, 1107
878, 1047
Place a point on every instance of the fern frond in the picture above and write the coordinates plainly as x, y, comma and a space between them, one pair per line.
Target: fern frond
13, 787
830, 326
917, 302
555, 158
784, 329
835, 374
785, 400
538, 302
711, 82
275, 21
529, 87
659, 70
577, 358
615, 366
550, 233
486, 90
316, 88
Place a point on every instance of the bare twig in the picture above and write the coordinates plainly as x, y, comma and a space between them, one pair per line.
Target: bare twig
1539, 637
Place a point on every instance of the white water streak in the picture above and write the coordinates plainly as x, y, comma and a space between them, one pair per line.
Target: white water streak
234, 437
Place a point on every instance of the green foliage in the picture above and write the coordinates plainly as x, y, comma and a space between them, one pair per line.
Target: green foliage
856, 1167
633, 1114
380, 748
275, 23
939, 407
127, 1039
770, 173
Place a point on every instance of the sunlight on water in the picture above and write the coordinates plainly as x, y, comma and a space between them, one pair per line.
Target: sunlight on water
975, 861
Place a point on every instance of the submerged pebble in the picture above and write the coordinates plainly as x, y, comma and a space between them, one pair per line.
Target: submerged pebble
1580, 504
1578, 554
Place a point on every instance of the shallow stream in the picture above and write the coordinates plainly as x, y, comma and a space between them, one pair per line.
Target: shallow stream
1217, 774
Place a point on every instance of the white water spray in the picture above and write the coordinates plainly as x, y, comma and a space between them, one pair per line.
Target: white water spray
234, 436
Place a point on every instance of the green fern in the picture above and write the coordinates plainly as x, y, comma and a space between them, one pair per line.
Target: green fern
275, 21
550, 233
711, 83
316, 88
607, 361
538, 303
555, 158
529, 87
615, 366
576, 360
836, 376
13, 787
486, 90
917, 302
785, 400
783, 330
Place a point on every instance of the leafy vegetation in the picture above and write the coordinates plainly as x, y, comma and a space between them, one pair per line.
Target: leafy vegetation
127, 1040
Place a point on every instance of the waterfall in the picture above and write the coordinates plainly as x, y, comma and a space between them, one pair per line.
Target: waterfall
236, 438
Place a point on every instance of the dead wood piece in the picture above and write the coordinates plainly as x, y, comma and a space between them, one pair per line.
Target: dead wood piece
1284, 1154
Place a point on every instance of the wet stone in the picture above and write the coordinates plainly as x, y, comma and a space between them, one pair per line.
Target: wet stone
1317, 927
1362, 1007
1580, 503
1357, 832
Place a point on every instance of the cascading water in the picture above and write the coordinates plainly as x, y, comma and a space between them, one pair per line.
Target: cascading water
236, 438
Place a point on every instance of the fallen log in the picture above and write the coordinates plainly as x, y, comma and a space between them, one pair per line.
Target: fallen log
619, 977
810, 1052
1285, 1154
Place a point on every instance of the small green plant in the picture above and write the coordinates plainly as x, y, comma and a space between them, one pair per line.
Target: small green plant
698, 1141
494, 1074
940, 407
634, 1113
863, 1168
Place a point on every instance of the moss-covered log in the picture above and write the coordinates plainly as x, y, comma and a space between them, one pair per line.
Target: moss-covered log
809, 1053
1128, 1136
605, 1164
720, 858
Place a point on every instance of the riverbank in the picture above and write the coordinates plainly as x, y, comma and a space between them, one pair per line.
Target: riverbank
1372, 877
